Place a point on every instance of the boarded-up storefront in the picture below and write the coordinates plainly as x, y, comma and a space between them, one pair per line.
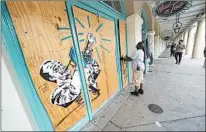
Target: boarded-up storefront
46, 41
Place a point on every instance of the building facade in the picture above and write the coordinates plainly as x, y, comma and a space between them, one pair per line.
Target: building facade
66, 55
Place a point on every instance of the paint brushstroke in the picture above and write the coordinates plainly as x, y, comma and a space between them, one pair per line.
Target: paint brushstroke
88, 21
98, 54
79, 22
107, 40
80, 34
82, 40
63, 28
104, 48
66, 38
98, 28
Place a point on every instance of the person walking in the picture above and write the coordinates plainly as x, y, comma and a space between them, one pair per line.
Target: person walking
179, 51
138, 67
172, 50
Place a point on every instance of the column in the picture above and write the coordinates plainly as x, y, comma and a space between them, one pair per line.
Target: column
151, 41
199, 40
160, 46
156, 47
181, 36
134, 35
190, 41
185, 38
134, 31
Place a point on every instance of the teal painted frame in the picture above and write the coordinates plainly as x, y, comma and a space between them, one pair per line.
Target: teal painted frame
80, 67
93, 9
12, 46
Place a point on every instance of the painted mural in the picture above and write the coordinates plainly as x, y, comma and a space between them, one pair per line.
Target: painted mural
98, 46
44, 34
68, 82
45, 38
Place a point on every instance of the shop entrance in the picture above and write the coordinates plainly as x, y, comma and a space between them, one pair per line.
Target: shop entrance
45, 43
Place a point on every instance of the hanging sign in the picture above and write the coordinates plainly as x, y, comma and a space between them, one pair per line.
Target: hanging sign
169, 8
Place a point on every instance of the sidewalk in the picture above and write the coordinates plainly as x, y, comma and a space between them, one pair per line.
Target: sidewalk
178, 89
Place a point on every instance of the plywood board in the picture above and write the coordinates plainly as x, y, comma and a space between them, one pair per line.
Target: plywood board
122, 37
103, 53
43, 31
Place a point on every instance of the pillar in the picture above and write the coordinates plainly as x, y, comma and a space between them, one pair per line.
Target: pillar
134, 31
160, 46
156, 47
151, 41
185, 38
181, 36
190, 41
199, 44
134, 35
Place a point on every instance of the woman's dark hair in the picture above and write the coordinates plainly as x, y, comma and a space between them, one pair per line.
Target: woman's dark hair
140, 45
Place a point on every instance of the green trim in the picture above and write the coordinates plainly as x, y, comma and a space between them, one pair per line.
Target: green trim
123, 7
78, 57
98, 6
117, 53
113, 10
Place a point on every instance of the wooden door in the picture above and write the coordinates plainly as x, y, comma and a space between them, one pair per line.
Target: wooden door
122, 38
44, 35
103, 82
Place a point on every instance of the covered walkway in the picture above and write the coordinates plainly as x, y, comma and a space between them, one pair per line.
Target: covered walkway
178, 89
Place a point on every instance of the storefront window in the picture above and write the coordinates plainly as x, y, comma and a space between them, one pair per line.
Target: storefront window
114, 4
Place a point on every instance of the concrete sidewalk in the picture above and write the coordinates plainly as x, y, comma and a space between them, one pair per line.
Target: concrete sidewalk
178, 89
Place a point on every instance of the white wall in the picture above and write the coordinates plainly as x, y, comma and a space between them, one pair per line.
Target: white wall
14, 117
134, 34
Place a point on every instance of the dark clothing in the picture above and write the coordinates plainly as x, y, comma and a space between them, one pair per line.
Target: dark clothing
172, 47
178, 57
172, 53
172, 50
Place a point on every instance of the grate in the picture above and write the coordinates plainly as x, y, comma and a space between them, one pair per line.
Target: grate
155, 108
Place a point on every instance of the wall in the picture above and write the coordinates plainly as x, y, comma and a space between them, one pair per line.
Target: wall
129, 5
14, 117
134, 34
138, 6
